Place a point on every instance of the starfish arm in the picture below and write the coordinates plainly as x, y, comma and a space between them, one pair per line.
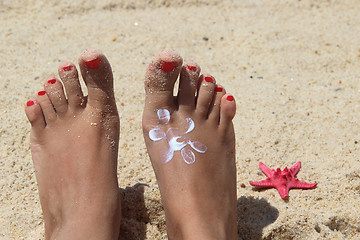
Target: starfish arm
263, 183
295, 169
302, 185
268, 172
283, 191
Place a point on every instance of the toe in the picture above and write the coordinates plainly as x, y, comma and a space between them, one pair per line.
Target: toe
160, 78
205, 95
55, 92
70, 78
47, 108
227, 110
214, 112
97, 74
188, 84
34, 114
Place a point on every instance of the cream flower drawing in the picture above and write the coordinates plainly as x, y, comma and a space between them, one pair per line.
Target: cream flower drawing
177, 140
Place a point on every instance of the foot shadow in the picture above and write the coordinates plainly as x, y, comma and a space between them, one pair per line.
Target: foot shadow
253, 215
134, 213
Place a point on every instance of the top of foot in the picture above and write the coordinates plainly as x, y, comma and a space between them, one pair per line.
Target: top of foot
191, 144
74, 144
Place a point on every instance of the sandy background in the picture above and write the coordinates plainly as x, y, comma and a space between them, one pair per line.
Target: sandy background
293, 66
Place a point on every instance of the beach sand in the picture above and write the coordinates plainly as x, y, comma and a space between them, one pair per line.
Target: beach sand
293, 67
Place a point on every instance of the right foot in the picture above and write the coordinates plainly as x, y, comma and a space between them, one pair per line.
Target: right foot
191, 144
74, 144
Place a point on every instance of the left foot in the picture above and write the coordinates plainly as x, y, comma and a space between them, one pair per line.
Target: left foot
74, 146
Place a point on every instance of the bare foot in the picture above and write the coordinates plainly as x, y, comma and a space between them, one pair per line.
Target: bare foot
191, 143
74, 145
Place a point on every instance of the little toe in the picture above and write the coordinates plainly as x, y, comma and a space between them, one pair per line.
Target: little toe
160, 78
97, 74
188, 85
70, 78
55, 92
214, 112
227, 110
205, 94
46, 106
35, 115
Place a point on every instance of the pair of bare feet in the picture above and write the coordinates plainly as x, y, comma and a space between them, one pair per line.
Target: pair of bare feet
190, 140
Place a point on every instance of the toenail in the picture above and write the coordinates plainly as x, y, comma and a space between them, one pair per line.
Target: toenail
191, 68
52, 81
209, 79
230, 98
93, 64
218, 89
168, 66
67, 68
30, 103
42, 92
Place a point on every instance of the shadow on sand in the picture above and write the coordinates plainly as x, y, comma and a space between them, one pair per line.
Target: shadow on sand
253, 215
134, 213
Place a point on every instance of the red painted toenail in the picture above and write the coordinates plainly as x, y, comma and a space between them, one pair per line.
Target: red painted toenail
218, 89
52, 81
30, 103
230, 98
93, 64
168, 66
42, 92
209, 79
191, 68
68, 68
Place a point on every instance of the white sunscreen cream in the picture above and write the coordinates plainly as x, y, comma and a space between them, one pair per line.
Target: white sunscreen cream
177, 141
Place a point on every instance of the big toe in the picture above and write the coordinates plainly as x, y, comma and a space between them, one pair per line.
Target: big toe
97, 74
160, 79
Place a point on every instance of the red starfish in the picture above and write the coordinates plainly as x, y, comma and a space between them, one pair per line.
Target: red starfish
283, 180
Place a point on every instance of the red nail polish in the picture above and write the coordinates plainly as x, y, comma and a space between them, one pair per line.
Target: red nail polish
168, 66
208, 79
218, 89
30, 103
51, 81
230, 98
191, 68
68, 68
42, 92
93, 64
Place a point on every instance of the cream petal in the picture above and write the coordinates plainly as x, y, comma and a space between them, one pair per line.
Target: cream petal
198, 146
169, 155
163, 115
191, 125
156, 134
188, 156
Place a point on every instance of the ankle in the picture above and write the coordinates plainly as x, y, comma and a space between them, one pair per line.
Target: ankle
86, 226
86, 230
200, 229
